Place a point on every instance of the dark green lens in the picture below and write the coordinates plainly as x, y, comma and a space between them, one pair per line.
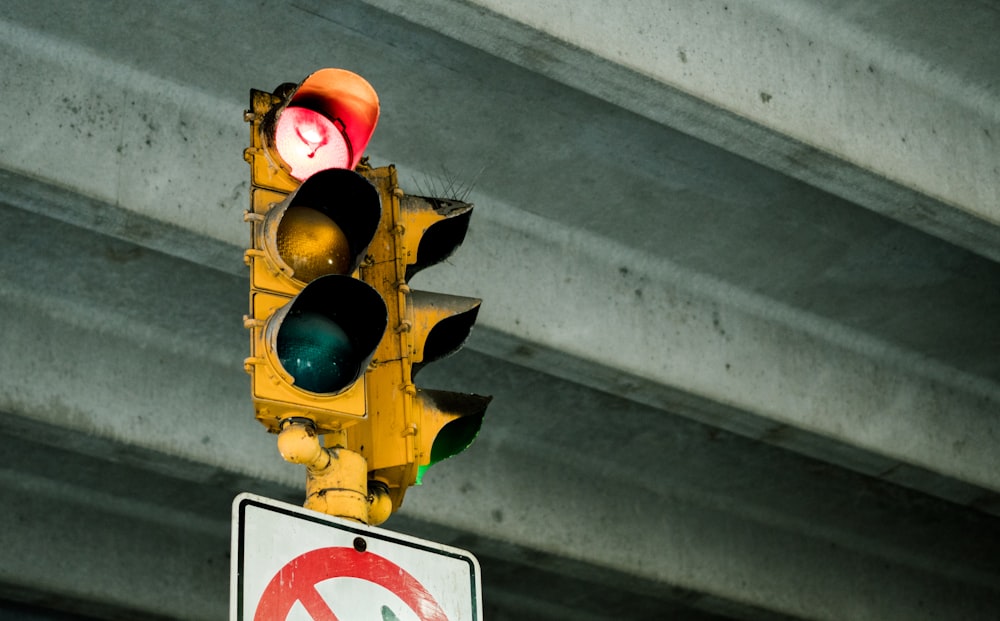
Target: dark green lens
317, 353
453, 438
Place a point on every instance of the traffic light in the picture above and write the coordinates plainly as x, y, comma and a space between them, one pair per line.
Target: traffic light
337, 334
409, 429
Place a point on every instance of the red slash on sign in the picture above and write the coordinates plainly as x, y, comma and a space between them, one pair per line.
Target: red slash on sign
297, 580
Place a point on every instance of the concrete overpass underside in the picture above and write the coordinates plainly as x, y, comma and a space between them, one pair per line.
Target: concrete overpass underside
741, 315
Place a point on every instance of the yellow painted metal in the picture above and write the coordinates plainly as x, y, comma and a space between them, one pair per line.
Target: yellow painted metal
419, 215
386, 439
399, 430
379, 503
427, 310
336, 478
438, 408
267, 171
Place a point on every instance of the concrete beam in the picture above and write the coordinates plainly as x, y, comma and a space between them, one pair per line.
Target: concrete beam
865, 102
613, 252
86, 536
133, 127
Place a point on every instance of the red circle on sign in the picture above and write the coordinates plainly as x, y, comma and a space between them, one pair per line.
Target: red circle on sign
297, 580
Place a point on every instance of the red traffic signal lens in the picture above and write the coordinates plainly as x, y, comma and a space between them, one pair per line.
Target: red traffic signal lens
327, 123
310, 142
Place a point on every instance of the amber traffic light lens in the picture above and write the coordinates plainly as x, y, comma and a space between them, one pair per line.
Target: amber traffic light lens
312, 244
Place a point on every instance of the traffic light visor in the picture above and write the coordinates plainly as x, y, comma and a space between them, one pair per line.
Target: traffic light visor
326, 336
327, 122
435, 226
442, 324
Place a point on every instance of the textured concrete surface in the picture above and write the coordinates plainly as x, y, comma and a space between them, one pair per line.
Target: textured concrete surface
740, 282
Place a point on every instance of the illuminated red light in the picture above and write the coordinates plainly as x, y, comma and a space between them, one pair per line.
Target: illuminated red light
310, 142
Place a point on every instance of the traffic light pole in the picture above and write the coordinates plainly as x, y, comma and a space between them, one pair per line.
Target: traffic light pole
336, 477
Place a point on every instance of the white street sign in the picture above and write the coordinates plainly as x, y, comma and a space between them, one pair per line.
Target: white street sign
291, 564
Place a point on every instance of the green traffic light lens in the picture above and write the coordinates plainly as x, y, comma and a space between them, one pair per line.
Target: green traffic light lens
317, 353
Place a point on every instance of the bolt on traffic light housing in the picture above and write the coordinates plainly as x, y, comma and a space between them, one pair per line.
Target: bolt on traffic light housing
336, 333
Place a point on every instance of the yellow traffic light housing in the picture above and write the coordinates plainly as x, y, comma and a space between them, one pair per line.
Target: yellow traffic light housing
408, 428
314, 328
336, 332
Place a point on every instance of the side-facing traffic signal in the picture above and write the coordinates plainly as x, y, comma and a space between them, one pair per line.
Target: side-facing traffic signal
410, 429
336, 332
